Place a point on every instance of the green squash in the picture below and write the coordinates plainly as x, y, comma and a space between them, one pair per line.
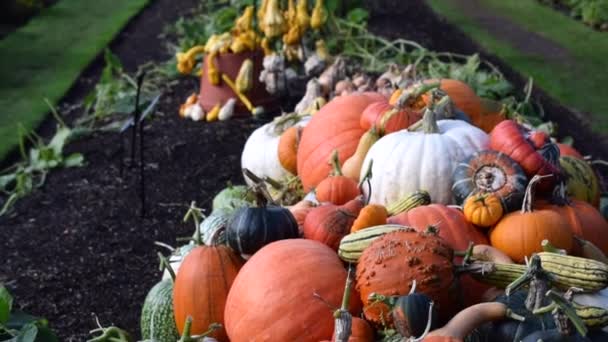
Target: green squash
157, 322
232, 198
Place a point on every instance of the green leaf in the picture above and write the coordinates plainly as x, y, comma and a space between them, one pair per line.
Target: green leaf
6, 304
357, 15
26, 334
74, 160
59, 140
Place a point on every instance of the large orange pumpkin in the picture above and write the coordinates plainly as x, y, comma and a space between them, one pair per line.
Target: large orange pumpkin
201, 288
276, 295
391, 263
455, 230
520, 234
584, 219
334, 126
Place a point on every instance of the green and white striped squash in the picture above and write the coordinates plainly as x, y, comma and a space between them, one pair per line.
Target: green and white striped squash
353, 244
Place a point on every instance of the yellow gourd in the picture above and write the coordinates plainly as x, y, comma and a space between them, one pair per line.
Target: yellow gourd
245, 22
352, 166
319, 15
274, 22
244, 80
302, 15
212, 72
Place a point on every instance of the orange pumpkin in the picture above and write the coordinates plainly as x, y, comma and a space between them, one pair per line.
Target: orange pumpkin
584, 220
483, 210
337, 188
329, 223
390, 264
371, 215
492, 113
388, 118
201, 287
288, 148
463, 97
334, 126
519, 234
455, 230
283, 292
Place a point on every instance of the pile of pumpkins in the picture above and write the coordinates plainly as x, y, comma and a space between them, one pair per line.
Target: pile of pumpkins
397, 194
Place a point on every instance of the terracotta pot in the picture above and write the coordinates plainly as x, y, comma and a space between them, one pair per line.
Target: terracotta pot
229, 64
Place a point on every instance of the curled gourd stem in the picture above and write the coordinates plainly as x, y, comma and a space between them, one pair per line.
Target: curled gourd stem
563, 312
413, 288
427, 329
166, 265
407, 97
263, 197
162, 244
196, 214
343, 318
529, 196
429, 123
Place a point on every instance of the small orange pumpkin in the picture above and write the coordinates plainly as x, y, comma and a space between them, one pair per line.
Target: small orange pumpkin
371, 215
520, 234
492, 113
337, 188
483, 210
329, 223
288, 148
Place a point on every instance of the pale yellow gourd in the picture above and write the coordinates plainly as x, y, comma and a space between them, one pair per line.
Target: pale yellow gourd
352, 166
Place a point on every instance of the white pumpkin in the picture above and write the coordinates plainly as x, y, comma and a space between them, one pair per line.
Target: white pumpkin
260, 154
404, 161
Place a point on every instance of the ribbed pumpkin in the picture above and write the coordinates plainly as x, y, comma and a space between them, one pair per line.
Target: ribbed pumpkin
337, 188
520, 234
275, 296
288, 148
581, 180
513, 140
409, 161
329, 223
490, 172
463, 96
390, 264
455, 230
584, 220
251, 228
483, 210
335, 126
201, 288
379, 114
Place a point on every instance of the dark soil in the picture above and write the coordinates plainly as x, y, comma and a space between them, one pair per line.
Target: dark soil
78, 247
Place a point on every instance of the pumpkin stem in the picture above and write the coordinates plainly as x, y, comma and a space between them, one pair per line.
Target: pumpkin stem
259, 189
549, 247
468, 254
334, 161
343, 318
560, 197
166, 265
429, 123
196, 214
162, 244
284, 121
429, 323
539, 281
410, 96
413, 288
432, 230
528, 202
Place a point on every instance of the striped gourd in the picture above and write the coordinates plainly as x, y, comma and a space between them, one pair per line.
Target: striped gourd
409, 202
352, 245
594, 317
569, 271
213, 228
157, 321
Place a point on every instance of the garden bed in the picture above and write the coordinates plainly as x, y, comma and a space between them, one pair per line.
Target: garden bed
78, 246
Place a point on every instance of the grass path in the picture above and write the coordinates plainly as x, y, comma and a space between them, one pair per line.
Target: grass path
566, 58
44, 58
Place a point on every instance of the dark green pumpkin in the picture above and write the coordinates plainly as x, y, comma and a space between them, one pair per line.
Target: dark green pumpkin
490, 172
251, 228
553, 335
410, 315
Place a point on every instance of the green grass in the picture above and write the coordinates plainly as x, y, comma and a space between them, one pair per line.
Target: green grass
580, 85
45, 57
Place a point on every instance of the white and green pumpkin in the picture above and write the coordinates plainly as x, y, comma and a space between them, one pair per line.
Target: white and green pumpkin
405, 161
260, 154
